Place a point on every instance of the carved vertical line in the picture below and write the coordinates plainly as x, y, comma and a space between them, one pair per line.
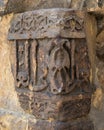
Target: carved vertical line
72, 59
77, 71
34, 60
27, 56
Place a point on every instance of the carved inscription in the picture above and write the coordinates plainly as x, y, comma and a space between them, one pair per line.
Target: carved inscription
60, 66
31, 22
26, 66
51, 64
67, 72
66, 67
37, 24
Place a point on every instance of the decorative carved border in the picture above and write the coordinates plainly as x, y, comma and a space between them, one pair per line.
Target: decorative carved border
48, 23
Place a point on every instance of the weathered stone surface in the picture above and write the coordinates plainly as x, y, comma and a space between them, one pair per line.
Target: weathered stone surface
9, 6
91, 32
100, 38
95, 6
28, 5
97, 112
53, 82
8, 97
10, 120
48, 23
17, 6
100, 50
80, 124
43, 74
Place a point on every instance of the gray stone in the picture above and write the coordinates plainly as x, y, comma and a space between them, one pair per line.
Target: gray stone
3, 6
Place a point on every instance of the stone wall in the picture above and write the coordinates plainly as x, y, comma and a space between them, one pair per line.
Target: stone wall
12, 115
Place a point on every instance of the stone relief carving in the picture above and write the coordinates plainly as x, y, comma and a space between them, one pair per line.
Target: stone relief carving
34, 65
30, 21
65, 72
37, 25
52, 67
22, 66
60, 66
49, 107
26, 66
73, 23
66, 67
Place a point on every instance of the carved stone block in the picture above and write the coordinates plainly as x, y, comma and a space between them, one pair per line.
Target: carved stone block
50, 64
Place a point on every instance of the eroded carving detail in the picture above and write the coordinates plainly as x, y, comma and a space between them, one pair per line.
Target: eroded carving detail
73, 23
49, 107
36, 25
31, 22
82, 66
26, 66
69, 65
78, 108
60, 66
34, 64
67, 71
16, 25
40, 107
22, 64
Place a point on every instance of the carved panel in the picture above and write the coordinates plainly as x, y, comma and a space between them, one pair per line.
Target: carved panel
68, 69
50, 64
40, 23
62, 108
60, 69
62, 64
48, 23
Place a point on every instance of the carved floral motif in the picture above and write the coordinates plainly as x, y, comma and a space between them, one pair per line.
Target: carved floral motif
73, 23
